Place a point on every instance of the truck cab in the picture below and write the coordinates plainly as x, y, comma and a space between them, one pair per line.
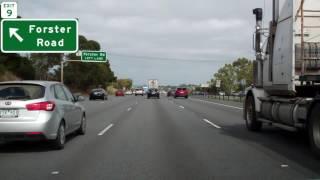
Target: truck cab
286, 88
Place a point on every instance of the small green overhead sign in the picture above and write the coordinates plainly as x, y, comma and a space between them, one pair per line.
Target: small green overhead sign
39, 35
93, 56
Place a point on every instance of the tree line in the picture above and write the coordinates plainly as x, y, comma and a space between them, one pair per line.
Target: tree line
233, 77
46, 66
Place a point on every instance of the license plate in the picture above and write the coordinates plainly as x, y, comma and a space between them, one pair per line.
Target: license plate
9, 113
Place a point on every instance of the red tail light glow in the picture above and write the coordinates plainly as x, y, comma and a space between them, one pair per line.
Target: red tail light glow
33, 133
41, 106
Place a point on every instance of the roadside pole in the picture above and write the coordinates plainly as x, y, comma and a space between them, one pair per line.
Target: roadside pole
61, 75
86, 56
62, 67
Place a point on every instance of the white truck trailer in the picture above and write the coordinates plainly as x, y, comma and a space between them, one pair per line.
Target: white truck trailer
153, 84
286, 88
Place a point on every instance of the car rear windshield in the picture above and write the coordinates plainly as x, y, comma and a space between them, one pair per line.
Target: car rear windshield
182, 89
21, 91
97, 90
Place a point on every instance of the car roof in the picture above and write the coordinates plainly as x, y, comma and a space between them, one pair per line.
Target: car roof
42, 83
97, 89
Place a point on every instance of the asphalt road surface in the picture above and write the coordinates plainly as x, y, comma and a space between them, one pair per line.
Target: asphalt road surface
180, 139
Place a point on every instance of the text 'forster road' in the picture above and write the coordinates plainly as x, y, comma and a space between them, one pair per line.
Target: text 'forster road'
39, 35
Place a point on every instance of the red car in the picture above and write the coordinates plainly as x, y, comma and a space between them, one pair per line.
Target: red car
119, 93
181, 92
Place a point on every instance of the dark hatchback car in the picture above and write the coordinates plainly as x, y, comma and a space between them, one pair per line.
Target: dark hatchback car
181, 92
98, 94
153, 93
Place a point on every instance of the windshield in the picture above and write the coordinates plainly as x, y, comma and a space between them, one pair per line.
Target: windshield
97, 90
21, 91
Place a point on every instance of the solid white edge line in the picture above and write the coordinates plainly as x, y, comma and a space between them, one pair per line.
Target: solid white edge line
216, 103
105, 130
212, 124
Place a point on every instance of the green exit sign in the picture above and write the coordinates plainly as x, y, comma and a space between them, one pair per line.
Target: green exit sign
93, 56
39, 35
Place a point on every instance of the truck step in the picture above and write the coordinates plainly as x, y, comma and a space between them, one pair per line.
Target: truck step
282, 126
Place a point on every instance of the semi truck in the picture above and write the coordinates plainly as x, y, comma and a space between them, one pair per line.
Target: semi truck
286, 88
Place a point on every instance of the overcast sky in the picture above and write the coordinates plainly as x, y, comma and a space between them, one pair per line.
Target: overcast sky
175, 41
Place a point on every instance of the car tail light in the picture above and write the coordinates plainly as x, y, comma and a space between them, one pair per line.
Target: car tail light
33, 133
41, 106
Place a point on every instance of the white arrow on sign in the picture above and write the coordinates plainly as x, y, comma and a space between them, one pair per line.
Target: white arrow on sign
13, 32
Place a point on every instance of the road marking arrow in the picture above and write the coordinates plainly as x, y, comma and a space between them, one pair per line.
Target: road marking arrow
13, 32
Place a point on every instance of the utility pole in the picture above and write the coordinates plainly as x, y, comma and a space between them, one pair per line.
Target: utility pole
62, 67
61, 75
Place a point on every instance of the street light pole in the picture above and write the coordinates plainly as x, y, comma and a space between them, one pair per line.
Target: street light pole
61, 75
62, 66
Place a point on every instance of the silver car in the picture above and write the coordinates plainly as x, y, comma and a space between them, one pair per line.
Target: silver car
39, 110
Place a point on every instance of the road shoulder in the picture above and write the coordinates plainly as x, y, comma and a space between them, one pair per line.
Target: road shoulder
217, 101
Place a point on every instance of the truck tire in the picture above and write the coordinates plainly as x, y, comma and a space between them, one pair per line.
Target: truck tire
314, 129
251, 118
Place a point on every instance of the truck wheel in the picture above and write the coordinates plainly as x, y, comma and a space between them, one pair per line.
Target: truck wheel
251, 119
314, 129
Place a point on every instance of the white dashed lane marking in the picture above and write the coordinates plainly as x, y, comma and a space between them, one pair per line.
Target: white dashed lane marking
211, 123
105, 130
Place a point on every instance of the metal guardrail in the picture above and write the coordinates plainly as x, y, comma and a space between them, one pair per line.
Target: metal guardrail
224, 97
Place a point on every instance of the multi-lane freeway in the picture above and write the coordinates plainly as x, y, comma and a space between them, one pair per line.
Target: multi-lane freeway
138, 138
